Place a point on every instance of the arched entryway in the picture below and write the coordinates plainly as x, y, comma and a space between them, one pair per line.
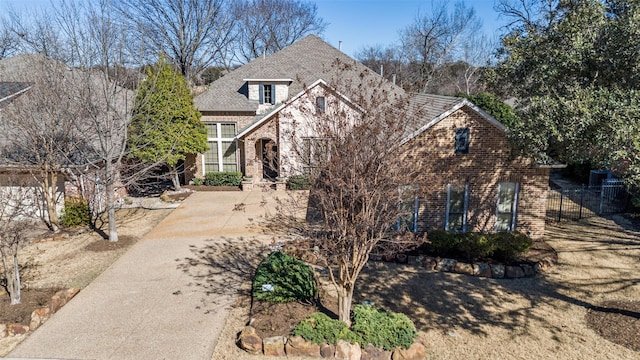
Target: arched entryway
267, 150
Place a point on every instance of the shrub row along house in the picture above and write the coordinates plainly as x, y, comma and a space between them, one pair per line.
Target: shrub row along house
261, 121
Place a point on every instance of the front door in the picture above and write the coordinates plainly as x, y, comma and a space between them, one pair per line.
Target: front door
269, 159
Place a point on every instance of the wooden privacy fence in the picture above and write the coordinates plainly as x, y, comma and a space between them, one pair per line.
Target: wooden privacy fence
582, 202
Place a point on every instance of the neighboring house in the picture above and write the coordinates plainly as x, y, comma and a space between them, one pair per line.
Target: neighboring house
472, 183
81, 173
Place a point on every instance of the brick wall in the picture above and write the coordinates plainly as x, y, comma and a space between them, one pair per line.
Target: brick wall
252, 164
488, 163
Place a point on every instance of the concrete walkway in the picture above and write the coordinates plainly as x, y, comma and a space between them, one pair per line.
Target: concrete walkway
145, 306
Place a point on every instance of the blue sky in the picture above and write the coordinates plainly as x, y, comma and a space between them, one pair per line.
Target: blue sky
360, 23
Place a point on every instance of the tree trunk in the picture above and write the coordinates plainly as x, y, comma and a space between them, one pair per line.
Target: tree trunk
175, 178
14, 282
345, 298
109, 188
49, 181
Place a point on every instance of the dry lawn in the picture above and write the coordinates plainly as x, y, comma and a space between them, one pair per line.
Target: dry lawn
77, 260
536, 318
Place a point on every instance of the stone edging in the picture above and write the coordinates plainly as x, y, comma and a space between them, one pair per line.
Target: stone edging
41, 315
482, 269
250, 342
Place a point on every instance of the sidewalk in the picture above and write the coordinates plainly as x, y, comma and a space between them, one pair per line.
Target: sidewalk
144, 306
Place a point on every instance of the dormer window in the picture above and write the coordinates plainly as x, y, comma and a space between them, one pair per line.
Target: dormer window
267, 94
264, 91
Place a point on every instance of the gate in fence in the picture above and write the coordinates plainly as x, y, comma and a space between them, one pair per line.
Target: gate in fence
587, 201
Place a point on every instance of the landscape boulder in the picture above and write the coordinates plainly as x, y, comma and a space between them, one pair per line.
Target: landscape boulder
327, 351
374, 353
429, 262
482, 269
446, 265
514, 272
273, 346
463, 268
3, 331
297, 346
497, 271
249, 341
528, 270
38, 317
415, 352
61, 298
348, 351
17, 329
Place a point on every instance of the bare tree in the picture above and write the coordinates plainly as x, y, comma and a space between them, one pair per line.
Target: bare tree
349, 149
435, 39
40, 130
193, 33
267, 26
387, 61
36, 31
16, 208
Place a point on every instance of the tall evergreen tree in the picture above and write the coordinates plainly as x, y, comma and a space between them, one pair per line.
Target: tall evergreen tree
165, 126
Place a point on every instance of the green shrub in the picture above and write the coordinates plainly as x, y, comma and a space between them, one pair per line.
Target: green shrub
198, 181
503, 246
475, 246
299, 182
510, 244
75, 213
292, 280
443, 243
319, 328
382, 328
224, 178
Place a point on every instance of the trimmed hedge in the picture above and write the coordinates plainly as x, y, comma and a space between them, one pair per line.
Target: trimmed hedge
224, 178
299, 182
281, 278
502, 246
384, 329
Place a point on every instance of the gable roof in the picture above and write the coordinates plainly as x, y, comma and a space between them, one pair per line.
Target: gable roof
303, 62
435, 108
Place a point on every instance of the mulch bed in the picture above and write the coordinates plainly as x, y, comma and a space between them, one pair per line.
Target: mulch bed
106, 245
279, 319
21, 313
617, 321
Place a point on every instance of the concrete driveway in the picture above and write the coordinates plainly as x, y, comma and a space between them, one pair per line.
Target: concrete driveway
147, 305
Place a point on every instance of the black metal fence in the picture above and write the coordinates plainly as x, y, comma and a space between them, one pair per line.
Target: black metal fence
583, 202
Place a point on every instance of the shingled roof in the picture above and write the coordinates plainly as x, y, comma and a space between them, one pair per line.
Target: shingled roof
304, 62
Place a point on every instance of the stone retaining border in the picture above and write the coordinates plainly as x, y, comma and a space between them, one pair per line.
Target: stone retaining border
250, 342
39, 316
482, 269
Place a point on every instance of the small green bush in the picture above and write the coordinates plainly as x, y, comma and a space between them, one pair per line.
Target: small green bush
382, 328
75, 213
224, 178
198, 181
319, 328
503, 246
299, 182
292, 280
510, 244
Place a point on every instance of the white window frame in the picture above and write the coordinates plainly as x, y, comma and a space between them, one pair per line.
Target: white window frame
465, 207
218, 140
416, 207
514, 208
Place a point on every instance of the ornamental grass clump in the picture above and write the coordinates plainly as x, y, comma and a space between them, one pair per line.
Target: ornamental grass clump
281, 278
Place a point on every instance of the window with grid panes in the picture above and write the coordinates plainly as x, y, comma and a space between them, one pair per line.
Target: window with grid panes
457, 203
222, 154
